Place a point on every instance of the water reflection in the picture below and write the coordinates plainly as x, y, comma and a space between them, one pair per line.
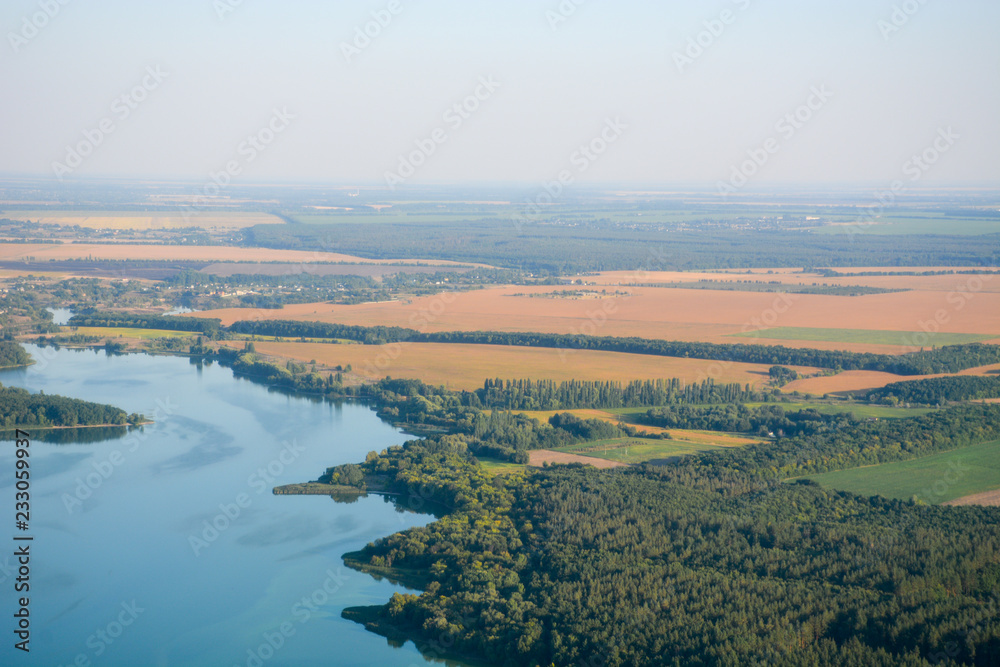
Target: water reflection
72, 436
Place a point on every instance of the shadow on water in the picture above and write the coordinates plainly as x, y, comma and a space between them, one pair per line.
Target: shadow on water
70, 436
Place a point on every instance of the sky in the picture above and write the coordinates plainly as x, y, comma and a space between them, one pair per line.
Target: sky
784, 91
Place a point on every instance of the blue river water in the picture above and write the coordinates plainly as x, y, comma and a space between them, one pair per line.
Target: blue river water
167, 547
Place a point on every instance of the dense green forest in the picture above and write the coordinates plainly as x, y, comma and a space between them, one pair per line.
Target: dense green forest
666, 565
738, 418
594, 246
714, 559
947, 359
933, 391
19, 407
13, 354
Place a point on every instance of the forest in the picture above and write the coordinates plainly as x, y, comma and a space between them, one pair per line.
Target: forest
672, 564
738, 418
19, 407
13, 354
589, 245
666, 566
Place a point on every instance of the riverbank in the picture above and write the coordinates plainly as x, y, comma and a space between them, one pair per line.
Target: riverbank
315, 489
36, 427
370, 617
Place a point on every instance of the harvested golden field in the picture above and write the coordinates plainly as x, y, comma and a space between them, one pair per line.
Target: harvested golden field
988, 498
67, 251
855, 381
144, 220
945, 283
670, 314
467, 366
539, 456
848, 381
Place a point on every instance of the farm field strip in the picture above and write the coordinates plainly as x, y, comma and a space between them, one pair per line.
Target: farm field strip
936, 478
539, 456
633, 450
460, 366
970, 283
128, 332
145, 220
40, 252
874, 336
859, 410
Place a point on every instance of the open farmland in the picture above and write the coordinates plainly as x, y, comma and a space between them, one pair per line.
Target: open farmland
958, 282
935, 479
41, 252
986, 498
876, 337
146, 220
845, 382
636, 450
126, 332
467, 366
675, 314
538, 457
856, 382
859, 410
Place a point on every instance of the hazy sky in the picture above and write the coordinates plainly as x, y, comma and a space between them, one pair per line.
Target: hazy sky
558, 79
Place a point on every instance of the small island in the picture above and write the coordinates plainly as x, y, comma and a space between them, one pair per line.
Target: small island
13, 355
19, 408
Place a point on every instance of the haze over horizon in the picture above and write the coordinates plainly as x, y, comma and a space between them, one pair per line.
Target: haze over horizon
873, 84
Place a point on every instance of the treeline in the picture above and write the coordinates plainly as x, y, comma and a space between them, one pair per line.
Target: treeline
948, 359
529, 394
935, 391
204, 325
737, 418
19, 407
12, 354
377, 335
571, 565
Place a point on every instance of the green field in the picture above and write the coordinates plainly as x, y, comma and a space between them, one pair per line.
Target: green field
123, 332
934, 479
864, 336
498, 467
637, 450
860, 411
915, 224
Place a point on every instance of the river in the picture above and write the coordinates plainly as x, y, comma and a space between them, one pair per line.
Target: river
167, 547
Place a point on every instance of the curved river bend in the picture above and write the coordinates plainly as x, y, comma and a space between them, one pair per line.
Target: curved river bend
167, 547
